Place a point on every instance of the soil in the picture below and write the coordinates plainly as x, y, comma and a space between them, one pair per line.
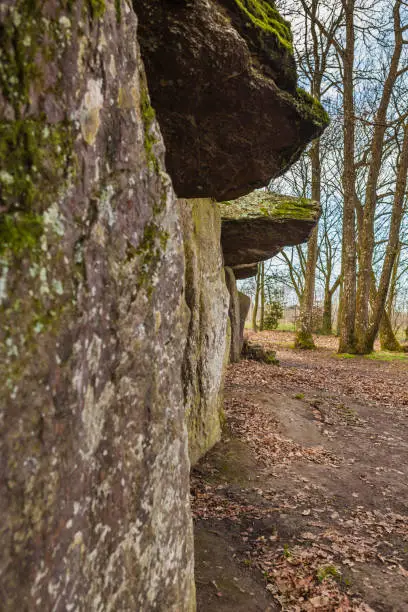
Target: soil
303, 505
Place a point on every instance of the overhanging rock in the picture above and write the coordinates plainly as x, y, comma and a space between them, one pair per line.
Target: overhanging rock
255, 227
222, 79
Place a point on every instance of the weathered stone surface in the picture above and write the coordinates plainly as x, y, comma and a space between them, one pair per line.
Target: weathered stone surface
253, 350
234, 316
207, 349
94, 498
244, 305
255, 227
223, 81
245, 271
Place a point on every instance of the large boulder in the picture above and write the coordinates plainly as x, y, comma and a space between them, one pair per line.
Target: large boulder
244, 306
256, 226
222, 78
207, 349
94, 471
234, 315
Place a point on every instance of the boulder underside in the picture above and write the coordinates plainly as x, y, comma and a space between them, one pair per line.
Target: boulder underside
223, 82
256, 226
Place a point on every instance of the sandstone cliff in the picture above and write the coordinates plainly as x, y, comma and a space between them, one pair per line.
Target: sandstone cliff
113, 304
94, 480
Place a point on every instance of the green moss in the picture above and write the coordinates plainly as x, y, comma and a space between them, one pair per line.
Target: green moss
20, 232
313, 107
29, 41
19, 33
266, 17
304, 341
269, 39
34, 159
274, 206
148, 117
149, 252
97, 8
118, 11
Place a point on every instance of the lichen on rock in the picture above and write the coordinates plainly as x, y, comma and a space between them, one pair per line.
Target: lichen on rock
208, 342
95, 496
256, 226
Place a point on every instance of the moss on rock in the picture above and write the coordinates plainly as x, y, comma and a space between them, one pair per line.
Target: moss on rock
34, 160
312, 107
271, 205
265, 16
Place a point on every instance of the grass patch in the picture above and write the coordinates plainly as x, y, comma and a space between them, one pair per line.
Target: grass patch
387, 356
286, 326
375, 356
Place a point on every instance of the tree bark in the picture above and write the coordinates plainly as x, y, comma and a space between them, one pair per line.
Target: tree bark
392, 245
348, 309
363, 331
388, 341
327, 306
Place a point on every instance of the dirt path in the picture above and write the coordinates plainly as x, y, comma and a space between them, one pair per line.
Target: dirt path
304, 504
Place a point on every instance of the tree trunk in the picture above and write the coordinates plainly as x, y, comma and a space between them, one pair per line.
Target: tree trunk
327, 314
304, 338
365, 332
338, 321
255, 310
387, 337
348, 308
261, 326
391, 251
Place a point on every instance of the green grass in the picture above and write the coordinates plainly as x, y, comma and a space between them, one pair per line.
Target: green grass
387, 356
286, 326
376, 356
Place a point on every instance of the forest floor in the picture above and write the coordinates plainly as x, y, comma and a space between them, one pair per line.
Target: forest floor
303, 505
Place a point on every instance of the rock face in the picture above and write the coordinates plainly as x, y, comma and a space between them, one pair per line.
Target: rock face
245, 271
102, 363
255, 227
223, 81
94, 470
244, 305
234, 316
207, 349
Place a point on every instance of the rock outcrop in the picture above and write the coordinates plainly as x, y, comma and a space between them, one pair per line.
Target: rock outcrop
208, 338
95, 473
114, 319
256, 226
222, 78
234, 315
244, 305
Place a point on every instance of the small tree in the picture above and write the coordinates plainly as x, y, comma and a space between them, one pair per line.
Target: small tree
274, 308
